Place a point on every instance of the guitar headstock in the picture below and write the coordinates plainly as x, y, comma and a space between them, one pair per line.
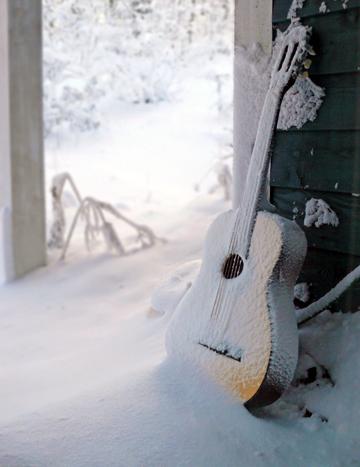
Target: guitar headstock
293, 46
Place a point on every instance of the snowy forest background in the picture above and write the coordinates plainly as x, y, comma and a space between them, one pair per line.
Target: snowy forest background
134, 51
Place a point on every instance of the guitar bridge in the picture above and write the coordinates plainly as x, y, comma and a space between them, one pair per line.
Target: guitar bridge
224, 350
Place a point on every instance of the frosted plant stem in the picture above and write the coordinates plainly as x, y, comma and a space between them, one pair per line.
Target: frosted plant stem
94, 213
72, 228
59, 222
74, 187
317, 307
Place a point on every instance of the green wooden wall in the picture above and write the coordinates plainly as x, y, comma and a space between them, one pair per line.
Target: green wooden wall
322, 159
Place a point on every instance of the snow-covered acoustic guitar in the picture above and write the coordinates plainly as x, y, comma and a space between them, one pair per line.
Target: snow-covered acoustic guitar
237, 322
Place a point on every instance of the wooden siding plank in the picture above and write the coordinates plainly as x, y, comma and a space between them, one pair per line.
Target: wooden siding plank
310, 8
336, 40
323, 270
321, 161
344, 238
338, 80
319, 157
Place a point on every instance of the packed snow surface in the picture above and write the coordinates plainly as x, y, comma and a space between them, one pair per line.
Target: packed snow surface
86, 382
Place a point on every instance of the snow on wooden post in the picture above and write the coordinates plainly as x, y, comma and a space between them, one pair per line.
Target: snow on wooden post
22, 207
253, 24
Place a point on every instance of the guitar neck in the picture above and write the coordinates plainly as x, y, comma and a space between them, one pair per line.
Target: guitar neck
257, 172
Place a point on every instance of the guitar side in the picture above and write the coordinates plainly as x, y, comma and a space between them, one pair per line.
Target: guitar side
261, 326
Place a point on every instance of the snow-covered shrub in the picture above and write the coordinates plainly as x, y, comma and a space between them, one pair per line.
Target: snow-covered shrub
73, 78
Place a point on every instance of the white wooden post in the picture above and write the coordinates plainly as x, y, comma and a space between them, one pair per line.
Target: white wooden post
253, 24
22, 206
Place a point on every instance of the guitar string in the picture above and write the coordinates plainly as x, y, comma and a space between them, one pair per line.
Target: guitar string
245, 232
221, 290
237, 239
219, 294
240, 237
225, 303
251, 210
249, 213
230, 250
247, 228
241, 216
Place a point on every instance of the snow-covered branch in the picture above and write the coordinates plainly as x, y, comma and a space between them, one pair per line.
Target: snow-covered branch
305, 314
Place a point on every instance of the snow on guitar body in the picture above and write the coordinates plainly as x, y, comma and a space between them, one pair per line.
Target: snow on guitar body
237, 322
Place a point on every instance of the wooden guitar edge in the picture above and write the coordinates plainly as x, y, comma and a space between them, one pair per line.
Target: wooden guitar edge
271, 388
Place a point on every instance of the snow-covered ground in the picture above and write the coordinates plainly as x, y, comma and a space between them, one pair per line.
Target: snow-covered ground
86, 382
84, 376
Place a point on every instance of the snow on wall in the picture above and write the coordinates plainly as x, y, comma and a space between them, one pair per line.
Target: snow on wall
318, 213
295, 5
302, 292
323, 8
300, 104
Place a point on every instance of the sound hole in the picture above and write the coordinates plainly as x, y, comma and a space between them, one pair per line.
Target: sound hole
233, 266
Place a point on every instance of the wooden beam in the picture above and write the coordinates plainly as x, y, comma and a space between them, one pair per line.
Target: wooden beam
253, 24
22, 200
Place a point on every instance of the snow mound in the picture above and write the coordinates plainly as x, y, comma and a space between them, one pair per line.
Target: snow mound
168, 295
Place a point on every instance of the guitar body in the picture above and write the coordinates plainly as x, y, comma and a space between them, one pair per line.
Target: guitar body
251, 347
